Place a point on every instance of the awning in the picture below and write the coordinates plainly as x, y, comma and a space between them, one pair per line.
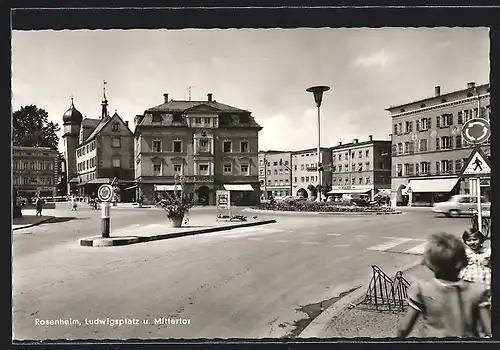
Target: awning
239, 187
433, 185
74, 180
168, 187
131, 187
348, 191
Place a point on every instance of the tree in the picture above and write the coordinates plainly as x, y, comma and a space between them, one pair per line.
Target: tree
32, 128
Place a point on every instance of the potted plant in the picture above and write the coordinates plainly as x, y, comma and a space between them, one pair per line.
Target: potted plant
177, 204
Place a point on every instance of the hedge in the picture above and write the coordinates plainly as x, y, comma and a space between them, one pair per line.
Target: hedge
307, 206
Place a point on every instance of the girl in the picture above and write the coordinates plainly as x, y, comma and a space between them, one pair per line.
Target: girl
451, 307
74, 205
478, 267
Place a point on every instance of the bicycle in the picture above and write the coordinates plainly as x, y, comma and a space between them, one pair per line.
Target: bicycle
485, 224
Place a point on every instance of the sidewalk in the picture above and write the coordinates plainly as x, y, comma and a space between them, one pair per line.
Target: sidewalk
197, 224
362, 321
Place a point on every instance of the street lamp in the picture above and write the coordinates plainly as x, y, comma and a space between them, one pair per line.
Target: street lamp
318, 96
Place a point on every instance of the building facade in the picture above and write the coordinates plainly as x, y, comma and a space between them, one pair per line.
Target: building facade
361, 168
275, 174
212, 145
305, 173
98, 151
428, 151
35, 171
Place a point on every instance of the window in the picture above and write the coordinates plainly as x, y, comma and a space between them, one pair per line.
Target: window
25, 181
294, 179
116, 126
438, 167
438, 144
275, 171
407, 169
116, 163
333, 157
346, 156
116, 142
399, 170
400, 148
227, 146
307, 178
367, 153
204, 145
446, 142
302, 167
157, 169
156, 146
422, 145
382, 179
340, 168
423, 124
227, 168
275, 163
367, 165
269, 182
360, 166
177, 146
244, 169
244, 146
177, 168
458, 141
204, 169
302, 179
445, 166
446, 120
197, 120
360, 181
360, 154
408, 127
295, 167
206, 121
269, 172
460, 118
458, 165
367, 180
261, 171
407, 147
157, 118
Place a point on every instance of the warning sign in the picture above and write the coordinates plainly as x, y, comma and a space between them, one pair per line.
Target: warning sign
478, 164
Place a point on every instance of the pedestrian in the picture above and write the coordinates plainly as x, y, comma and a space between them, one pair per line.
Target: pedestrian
450, 306
478, 267
38, 205
74, 204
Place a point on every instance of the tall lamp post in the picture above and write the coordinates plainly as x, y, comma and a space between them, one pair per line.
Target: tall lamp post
266, 163
318, 97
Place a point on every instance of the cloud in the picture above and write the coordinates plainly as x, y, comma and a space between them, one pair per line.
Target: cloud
376, 58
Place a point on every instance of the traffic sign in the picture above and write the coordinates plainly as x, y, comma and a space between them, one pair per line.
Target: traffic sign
476, 130
477, 164
105, 192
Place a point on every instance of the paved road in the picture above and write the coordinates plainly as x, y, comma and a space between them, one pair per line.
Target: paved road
243, 283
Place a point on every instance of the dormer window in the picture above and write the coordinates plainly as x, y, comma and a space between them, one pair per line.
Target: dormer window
157, 118
116, 126
177, 117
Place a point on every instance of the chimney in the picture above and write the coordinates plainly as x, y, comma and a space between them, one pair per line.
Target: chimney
126, 123
209, 97
340, 143
370, 137
471, 85
165, 97
437, 90
355, 141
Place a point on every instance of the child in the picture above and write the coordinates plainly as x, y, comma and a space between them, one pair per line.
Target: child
451, 307
74, 205
478, 267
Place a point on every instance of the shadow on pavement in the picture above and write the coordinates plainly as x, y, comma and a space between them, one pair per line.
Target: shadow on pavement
63, 219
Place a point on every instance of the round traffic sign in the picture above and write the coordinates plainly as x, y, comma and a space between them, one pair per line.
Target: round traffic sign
476, 131
105, 192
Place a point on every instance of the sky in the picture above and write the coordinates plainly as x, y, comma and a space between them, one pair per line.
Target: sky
265, 71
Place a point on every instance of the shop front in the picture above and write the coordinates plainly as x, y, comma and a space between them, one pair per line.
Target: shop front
243, 194
352, 192
426, 192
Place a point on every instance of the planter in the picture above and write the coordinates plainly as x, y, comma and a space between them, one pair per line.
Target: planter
176, 221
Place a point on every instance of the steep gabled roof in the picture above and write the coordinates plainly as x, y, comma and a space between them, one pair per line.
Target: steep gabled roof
102, 124
90, 123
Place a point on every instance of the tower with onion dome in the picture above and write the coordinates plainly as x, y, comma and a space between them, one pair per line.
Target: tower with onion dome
72, 120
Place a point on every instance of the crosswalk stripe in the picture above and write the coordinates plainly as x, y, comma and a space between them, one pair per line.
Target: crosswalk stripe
282, 241
390, 244
417, 250
333, 234
340, 245
310, 242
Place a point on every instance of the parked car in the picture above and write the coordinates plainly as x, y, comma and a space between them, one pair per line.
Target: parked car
460, 204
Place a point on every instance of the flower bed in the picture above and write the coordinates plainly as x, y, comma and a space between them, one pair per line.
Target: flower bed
306, 206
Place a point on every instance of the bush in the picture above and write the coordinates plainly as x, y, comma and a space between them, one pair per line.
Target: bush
308, 206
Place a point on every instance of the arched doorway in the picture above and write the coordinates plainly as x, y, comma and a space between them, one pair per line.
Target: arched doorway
203, 195
302, 193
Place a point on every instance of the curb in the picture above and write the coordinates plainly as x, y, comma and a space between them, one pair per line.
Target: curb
35, 224
116, 241
321, 322
319, 212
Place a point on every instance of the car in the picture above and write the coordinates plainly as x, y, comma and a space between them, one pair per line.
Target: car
460, 204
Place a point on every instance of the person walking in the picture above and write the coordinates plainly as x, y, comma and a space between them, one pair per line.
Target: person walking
451, 306
74, 204
38, 205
